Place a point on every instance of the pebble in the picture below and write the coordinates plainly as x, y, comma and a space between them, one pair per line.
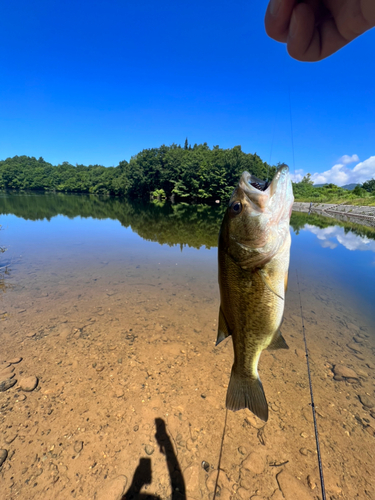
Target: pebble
78, 445
30, 335
341, 371
242, 493
292, 488
370, 430
354, 347
191, 477
5, 377
10, 438
20, 397
28, 384
149, 449
255, 463
3, 456
119, 393
99, 368
311, 481
7, 384
14, 361
304, 435
242, 450
366, 401
205, 465
6, 371
112, 490
304, 452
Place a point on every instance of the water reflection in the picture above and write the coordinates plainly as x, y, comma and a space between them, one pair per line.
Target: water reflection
180, 224
331, 236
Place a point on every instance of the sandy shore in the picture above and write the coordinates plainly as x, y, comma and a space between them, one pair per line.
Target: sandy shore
131, 391
362, 215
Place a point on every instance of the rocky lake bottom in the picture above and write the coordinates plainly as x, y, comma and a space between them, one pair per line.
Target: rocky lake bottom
111, 387
131, 391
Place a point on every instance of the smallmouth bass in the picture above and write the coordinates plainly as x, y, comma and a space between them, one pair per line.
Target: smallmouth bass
253, 255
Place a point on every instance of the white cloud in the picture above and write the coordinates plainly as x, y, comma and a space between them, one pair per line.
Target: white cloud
297, 175
346, 159
331, 236
340, 174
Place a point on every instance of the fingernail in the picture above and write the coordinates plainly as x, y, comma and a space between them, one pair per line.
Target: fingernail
274, 7
293, 25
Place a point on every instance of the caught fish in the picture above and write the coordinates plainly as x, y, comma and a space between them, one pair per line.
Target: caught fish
254, 246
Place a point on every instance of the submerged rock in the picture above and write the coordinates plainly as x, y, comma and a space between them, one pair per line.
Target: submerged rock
341, 372
3, 456
28, 384
292, 488
7, 384
366, 400
113, 490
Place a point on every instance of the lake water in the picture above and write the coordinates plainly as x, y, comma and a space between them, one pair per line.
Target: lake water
113, 306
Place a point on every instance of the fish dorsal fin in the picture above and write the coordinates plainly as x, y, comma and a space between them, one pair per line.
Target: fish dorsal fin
278, 342
265, 280
223, 330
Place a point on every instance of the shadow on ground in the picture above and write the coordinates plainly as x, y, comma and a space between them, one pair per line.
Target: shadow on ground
143, 473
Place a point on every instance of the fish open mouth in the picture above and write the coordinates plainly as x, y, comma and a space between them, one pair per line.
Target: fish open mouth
260, 186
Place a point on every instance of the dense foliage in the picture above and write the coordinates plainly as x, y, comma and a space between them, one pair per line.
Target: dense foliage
330, 193
187, 172
184, 173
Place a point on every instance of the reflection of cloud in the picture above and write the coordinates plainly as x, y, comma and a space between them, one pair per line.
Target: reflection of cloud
329, 244
332, 235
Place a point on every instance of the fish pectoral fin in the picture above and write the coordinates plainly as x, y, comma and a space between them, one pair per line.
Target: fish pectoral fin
223, 330
266, 281
247, 393
278, 342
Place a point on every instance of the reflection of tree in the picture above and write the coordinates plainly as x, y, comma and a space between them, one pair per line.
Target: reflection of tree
143, 473
180, 224
298, 221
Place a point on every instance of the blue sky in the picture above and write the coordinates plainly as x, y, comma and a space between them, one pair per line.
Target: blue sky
96, 82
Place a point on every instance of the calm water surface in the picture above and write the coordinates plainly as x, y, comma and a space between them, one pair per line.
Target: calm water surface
96, 279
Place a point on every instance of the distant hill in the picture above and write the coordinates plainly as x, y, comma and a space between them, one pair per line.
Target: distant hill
349, 187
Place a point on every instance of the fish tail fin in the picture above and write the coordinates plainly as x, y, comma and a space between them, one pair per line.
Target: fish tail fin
247, 393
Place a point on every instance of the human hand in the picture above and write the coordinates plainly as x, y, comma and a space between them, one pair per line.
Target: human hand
315, 29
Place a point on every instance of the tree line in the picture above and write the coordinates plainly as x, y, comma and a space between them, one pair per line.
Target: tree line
185, 173
188, 173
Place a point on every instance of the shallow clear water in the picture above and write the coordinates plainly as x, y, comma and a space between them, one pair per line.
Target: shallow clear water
99, 280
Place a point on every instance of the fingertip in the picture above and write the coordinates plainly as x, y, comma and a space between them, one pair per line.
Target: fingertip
302, 33
277, 18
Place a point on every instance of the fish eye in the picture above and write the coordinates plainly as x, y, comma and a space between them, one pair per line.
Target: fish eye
237, 207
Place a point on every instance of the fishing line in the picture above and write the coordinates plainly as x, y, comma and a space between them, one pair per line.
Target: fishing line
221, 452
273, 139
291, 131
312, 397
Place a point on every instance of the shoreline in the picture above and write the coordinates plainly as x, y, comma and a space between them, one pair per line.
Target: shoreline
361, 215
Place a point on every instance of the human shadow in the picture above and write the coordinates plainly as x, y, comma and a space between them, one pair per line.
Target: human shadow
143, 473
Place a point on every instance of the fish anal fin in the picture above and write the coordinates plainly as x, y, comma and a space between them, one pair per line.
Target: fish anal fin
223, 330
247, 393
278, 342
